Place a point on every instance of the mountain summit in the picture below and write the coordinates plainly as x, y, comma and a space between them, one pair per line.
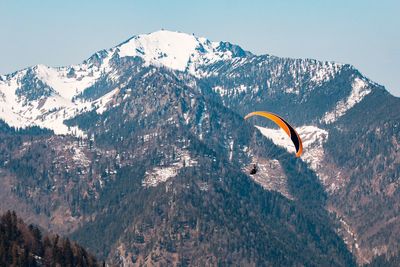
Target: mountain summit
178, 51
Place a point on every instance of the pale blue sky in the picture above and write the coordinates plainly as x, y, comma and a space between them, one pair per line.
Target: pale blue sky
360, 32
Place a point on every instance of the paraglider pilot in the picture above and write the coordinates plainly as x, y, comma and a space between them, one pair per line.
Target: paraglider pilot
254, 170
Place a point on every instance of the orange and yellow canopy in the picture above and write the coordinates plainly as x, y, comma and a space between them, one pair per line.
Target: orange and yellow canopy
290, 131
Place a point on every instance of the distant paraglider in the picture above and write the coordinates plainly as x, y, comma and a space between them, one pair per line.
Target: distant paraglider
290, 131
253, 170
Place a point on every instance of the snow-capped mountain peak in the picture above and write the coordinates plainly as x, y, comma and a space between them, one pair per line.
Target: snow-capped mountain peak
171, 49
177, 51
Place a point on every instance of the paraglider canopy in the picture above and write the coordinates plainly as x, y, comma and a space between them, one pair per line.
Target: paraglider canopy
290, 131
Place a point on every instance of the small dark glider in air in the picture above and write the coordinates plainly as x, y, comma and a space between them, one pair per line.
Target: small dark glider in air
290, 131
253, 170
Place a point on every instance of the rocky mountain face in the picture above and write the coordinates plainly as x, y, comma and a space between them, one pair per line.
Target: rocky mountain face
144, 146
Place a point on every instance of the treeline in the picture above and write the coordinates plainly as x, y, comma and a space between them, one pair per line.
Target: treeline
25, 245
31, 130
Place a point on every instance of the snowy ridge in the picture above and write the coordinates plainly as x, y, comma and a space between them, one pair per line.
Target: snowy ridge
49, 111
324, 71
174, 50
297, 77
359, 90
314, 74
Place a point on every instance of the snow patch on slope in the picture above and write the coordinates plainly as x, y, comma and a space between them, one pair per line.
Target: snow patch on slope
220, 90
161, 174
313, 140
106, 101
67, 87
324, 71
359, 91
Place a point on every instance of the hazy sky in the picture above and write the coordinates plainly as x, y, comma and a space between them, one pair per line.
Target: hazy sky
360, 32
